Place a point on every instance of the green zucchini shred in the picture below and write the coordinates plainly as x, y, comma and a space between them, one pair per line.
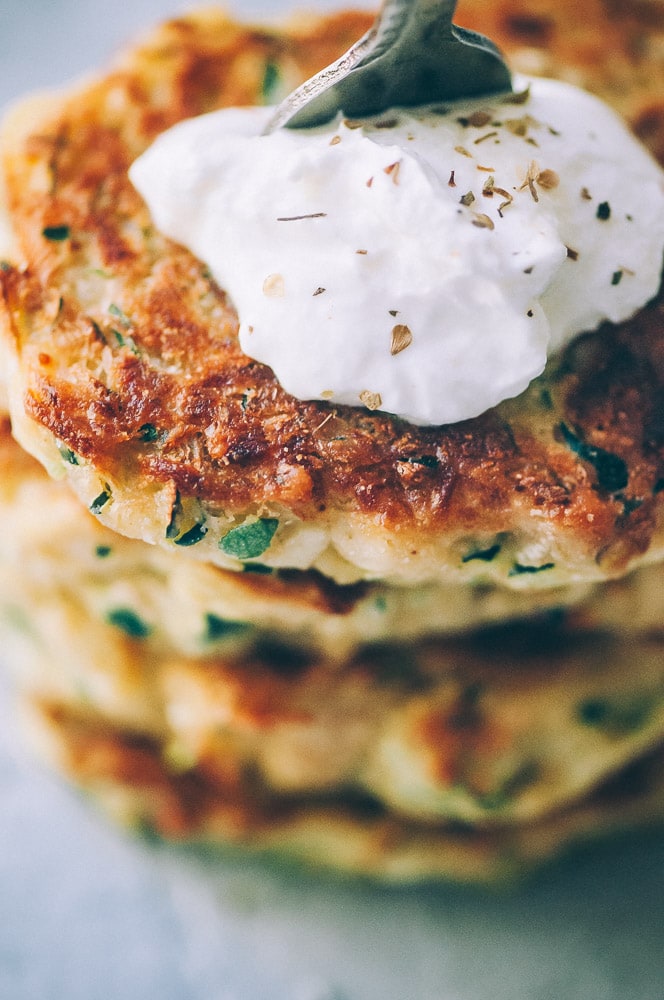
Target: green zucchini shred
260, 569
510, 788
222, 628
612, 471
119, 314
483, 555
148, 433
428, 461
173, 528
129, 622
56, 234
616, 718
69, 456
99, 502
271, 81
519, 570
248, 541
192, 537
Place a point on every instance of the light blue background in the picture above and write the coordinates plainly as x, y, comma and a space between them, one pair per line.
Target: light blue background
86, 914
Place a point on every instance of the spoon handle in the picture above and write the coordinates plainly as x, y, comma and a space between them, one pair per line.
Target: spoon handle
412, 55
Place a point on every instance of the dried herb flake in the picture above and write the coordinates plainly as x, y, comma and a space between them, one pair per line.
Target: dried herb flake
401, 339
372, 400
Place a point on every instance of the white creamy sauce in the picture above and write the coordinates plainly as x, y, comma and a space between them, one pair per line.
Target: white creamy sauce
426, 262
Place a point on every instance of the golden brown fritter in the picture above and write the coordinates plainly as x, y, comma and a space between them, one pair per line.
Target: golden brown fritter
196, 608
126, 375
129, 777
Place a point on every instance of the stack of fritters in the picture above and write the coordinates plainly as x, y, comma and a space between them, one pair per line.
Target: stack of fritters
411, 652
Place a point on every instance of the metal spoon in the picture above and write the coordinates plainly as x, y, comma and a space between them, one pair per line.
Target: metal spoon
412, 55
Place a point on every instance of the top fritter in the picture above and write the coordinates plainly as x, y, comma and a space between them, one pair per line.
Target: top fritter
422, 262
126, 373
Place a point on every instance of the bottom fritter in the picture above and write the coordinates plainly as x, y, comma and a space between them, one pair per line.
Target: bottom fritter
500, 728
135, 785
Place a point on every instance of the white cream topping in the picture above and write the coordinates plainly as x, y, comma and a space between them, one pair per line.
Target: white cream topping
426, 262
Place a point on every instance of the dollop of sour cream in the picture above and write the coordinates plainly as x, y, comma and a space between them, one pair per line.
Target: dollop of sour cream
426, 262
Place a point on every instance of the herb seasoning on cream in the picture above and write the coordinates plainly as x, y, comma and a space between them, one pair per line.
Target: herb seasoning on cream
490, 234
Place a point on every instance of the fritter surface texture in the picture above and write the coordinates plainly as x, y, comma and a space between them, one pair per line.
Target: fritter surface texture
503, 726
126, 375
130, 778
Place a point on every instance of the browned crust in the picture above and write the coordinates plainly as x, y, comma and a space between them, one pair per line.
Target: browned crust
128, 774
307, 589
228, 434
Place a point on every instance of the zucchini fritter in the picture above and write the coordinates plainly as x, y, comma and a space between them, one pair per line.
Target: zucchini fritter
125, 373
130, 779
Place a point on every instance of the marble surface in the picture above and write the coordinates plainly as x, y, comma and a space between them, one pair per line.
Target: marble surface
87, 914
